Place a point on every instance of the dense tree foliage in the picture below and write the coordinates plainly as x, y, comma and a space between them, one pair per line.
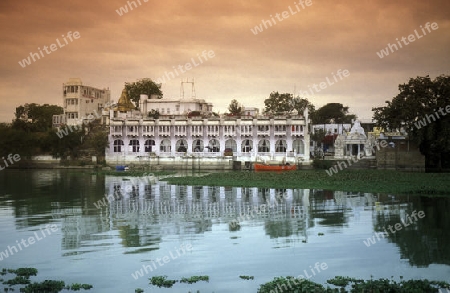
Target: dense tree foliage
332, 113
153, 114
300, 104
420, 109
235, 108
144, 86
34, 117
279, 104
285, 104
31, 134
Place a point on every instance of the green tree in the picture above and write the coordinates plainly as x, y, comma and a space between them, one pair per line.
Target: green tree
16, 141
68, 145
332, 113
100, 142
420, 109
144, 86
235, 108
318, 136
35, 117
153, 114
300, 104
279, 104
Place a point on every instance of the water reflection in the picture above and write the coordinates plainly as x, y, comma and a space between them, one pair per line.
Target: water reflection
97, 213
144, 211
427, 240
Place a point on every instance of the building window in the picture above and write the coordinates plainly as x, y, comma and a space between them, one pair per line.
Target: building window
280, 146
168, 110
118, 143
149, 144
177, 108
165, 146
263, 146
134, 145
298, 146
231, 144
197, 145
181, 146
247, 146
214, 146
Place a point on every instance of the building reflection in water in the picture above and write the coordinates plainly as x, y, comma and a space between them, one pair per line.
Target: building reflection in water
141, 212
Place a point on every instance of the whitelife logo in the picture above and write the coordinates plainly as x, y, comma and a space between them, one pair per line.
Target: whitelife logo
53, 47
324, 84
398, 226
84, 120
342, 165
422, 123
186, 67
10, 158
11, 250
284, 15
124, 9
182, 250
411, 38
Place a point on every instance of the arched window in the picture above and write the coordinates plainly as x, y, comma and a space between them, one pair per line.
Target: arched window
149, 144
181, 146
231, 144
118, 143
197, 145
214, 146
247, 145
280, 146
298, 146
263, 146
165, 146
134, 145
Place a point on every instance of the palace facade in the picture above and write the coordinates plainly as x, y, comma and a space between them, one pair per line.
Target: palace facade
213, 142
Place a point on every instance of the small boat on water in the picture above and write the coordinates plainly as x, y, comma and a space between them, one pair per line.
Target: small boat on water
279, 167
122, 168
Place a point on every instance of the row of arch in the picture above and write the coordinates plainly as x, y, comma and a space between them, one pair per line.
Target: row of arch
198, 145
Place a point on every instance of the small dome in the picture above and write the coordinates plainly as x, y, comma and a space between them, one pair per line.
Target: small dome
124, 104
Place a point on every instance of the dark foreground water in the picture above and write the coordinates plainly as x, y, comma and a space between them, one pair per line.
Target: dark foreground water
116, 232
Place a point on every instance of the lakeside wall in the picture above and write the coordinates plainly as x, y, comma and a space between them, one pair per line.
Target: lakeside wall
398, 159
196, 162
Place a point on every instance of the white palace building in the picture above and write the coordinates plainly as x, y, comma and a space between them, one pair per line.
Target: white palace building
177, 140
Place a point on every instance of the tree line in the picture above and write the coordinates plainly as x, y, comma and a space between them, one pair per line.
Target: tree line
419, 110
31, 134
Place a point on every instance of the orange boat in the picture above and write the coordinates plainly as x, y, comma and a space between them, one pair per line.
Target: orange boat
265, 167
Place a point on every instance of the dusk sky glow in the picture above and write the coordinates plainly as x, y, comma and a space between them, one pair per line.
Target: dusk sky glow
298, 47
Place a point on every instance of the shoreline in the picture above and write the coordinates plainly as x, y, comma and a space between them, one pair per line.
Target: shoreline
362, 180
376, 181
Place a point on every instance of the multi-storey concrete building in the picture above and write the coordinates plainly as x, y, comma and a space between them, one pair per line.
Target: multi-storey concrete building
80, 101
176, 141
170, 107
213, 142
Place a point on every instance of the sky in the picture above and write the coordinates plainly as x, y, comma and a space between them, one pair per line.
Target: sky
299, 45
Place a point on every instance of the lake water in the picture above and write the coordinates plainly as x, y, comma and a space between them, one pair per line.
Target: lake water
116, 232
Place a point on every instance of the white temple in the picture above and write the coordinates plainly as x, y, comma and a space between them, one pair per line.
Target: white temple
354, 143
